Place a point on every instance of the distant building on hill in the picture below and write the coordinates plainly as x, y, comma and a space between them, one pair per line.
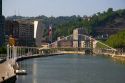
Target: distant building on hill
65, 43
104, 33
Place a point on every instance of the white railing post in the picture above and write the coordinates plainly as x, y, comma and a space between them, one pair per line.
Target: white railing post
14, 52
19, 51
8, 53
22, 53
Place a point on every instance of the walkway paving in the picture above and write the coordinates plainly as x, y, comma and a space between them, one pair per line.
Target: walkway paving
6, 70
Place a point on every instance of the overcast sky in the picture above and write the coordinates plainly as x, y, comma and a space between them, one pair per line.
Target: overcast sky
59, 7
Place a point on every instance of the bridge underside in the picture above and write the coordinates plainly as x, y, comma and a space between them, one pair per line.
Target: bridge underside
88, 51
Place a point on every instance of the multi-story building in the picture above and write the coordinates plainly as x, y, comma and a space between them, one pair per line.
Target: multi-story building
82, 44
2, 19
63, 42
11, 28
88, 42
26, 33
0, 7
78, 36
75, 38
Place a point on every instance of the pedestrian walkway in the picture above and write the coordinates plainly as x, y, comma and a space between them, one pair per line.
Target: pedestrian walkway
6, 70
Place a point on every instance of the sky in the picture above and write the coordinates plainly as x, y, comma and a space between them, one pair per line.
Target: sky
59, 7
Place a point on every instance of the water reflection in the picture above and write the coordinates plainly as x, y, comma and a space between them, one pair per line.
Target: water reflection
72, 69
34, 67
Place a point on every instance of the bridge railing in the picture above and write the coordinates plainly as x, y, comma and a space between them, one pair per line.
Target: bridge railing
2, 57
14, 52
104, 51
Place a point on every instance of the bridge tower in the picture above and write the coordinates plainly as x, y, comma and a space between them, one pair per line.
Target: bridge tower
88, 45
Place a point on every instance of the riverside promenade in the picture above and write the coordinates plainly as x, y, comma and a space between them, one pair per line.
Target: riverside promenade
6, 70
16, 53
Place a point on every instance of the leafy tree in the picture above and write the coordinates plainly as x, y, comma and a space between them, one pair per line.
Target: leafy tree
117, 40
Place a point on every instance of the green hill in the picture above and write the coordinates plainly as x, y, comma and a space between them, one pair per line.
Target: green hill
107, 22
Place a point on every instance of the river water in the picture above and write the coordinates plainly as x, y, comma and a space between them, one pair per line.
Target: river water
72, 69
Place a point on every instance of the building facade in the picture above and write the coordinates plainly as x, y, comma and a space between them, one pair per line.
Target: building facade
11, 29
78, 36
38, 33
26, 34
0, 7
2, 20
65, 44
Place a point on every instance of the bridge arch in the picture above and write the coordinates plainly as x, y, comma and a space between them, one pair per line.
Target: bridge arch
87, 43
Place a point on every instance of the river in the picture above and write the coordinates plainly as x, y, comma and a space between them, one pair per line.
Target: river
72, 69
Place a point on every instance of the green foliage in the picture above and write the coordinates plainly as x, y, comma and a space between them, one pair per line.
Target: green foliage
3, 50
117, 40
64, 25
99, 45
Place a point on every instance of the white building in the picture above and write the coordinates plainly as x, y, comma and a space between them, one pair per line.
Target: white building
82, 44
75, 38
38, 32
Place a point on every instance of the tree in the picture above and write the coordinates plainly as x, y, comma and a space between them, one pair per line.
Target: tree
117, 40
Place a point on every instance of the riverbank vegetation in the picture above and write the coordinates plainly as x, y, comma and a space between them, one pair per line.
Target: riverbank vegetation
63, 26
117, 40
3, 50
